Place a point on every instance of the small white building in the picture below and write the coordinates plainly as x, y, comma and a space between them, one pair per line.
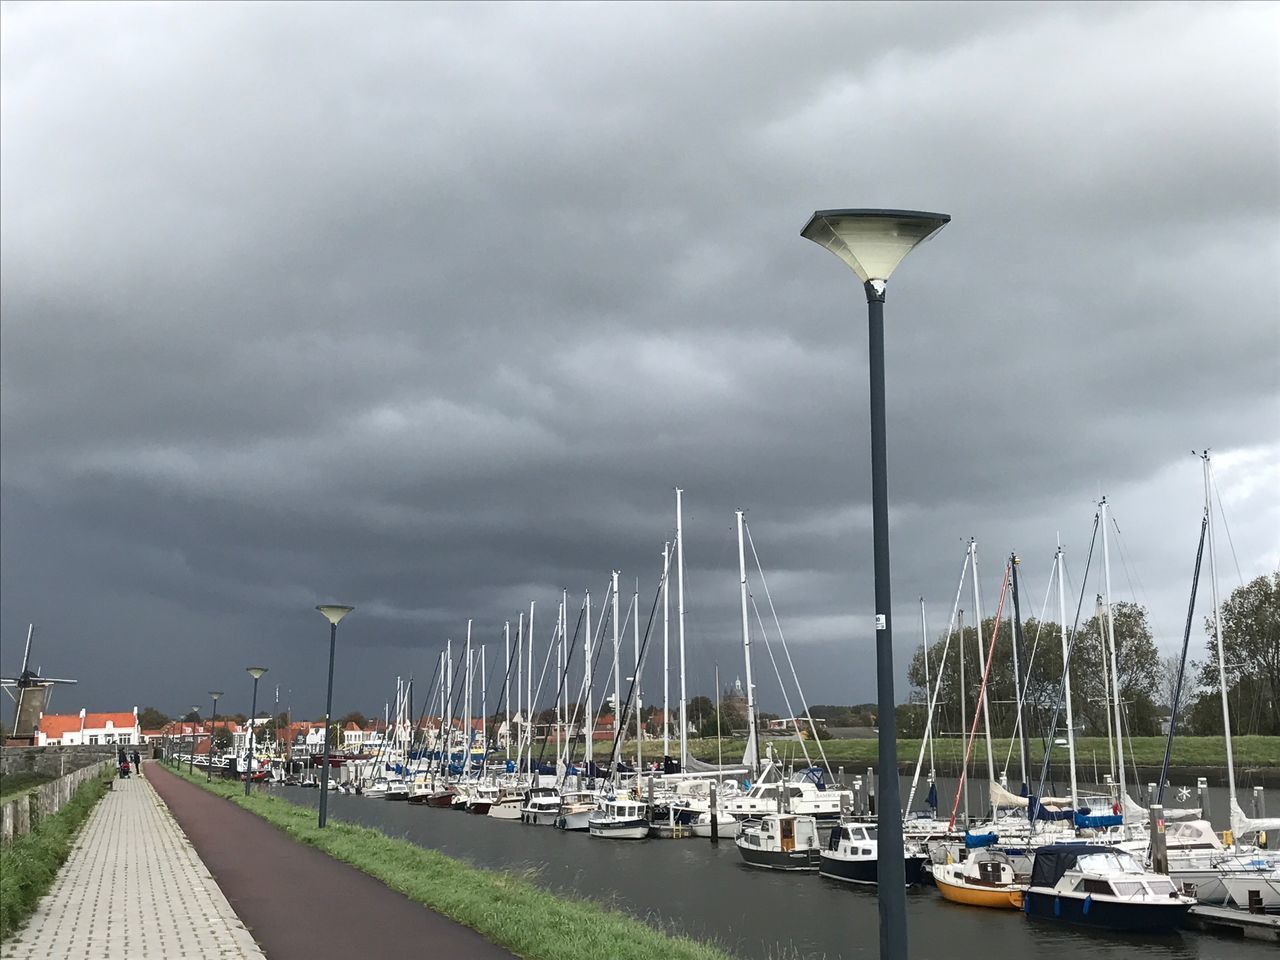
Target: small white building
84, 728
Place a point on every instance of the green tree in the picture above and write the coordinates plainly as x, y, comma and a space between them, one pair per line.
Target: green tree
1251, 654
149, 718
356, 717
191, 716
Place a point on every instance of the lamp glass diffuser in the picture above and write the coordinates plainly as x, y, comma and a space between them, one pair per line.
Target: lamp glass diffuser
872, 242
215, 695
256, 672
334, 612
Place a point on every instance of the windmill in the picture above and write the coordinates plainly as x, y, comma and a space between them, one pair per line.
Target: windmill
32, 696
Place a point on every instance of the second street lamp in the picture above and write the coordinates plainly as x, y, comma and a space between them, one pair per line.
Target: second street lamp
333, 612
256, 673
872, 243
213, 732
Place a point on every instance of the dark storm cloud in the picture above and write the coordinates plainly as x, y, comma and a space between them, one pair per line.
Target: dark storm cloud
429, 307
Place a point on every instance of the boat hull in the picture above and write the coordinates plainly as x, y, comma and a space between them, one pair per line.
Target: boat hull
1089, 911
575, 820
957, 890
726, 828
539, 818
1239, 888
808, 860
480, 807
441, 800
863, 871
505, 811
619, 829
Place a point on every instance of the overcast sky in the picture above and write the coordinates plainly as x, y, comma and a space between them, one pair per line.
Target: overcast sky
428, 308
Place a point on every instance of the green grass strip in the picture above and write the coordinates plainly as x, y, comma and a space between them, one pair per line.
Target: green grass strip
505, 908
12, 784
29, 864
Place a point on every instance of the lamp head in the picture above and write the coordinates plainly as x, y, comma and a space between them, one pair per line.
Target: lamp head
872, 242
216, 695
256, 672
334, 612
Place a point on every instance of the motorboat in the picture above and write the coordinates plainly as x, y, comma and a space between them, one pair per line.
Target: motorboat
805, 794
1103, 887
541, 806
482, 798
727, 827
986, 878
397, 789
376, 789
576, 809
780, 841
852, 855
507, 806
619, 819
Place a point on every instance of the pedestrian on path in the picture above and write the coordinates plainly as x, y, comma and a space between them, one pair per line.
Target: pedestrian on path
137, 762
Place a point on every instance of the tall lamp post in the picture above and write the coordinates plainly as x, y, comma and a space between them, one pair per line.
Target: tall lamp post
213, 732
256, 673
195, 739
333, 612
872, 243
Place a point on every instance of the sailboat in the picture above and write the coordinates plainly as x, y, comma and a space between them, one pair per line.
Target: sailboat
987, 878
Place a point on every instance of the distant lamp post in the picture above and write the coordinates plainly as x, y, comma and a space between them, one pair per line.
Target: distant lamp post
256, 673
213, 732
333, 612
872, 243
195, 739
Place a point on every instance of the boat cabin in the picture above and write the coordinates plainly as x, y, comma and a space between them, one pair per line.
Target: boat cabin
854, 839
1097, 871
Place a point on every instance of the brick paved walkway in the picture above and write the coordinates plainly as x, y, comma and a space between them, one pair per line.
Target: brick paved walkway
133, 888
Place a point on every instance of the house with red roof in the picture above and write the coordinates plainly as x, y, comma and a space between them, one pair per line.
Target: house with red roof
79, 729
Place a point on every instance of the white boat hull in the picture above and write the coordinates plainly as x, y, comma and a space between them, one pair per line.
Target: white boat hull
619, 829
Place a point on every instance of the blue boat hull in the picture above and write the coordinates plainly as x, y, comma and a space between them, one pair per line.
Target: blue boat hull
1104, 914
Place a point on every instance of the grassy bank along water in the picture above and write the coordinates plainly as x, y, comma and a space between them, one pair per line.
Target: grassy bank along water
1253, 751
12, 784
506, 909
29, 864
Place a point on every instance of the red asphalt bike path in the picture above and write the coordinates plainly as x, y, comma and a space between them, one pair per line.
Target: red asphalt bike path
298, 902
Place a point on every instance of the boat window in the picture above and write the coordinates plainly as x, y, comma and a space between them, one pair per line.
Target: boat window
1092, 885
866, 851
871, 833
1162, 887
1113, 861
795, 792
854, 833
1128, 888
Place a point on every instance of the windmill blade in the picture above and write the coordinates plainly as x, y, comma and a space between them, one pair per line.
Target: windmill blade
26, 654
53, 680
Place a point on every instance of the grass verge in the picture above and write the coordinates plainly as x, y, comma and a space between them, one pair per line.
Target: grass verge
12, 784
507, 910
29, 864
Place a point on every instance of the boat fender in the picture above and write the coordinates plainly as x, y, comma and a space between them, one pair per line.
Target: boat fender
1088, 902
1057, 906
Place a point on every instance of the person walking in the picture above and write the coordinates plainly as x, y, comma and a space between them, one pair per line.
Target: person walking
137, 762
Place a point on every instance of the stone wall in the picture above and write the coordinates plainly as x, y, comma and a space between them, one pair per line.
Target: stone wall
23, 813
56, 761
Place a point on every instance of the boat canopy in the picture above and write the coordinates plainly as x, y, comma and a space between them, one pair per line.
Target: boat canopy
1197, 833
1055, 859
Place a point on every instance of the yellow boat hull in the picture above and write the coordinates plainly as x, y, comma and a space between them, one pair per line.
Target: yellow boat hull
975, 895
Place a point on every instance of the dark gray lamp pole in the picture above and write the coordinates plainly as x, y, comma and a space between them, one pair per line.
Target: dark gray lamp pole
213, 733
256, 673
195, 738
872, 243
333, 612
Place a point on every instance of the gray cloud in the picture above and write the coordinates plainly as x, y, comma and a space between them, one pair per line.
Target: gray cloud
430, 307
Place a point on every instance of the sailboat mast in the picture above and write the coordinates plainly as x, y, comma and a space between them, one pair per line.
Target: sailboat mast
719, 742
528, 679
684, 704
523, 714
666, 656
559, 675
964, 773
447, 725
1019, 682
484, 712
1115, 669
982, 689
617, 670
753, 742
1060, 566
506, 647
928, 687
589, 716
1217, 636
635, 635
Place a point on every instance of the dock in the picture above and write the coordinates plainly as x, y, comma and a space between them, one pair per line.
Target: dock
1225, 920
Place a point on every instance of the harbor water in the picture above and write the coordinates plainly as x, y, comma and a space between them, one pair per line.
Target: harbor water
704, 890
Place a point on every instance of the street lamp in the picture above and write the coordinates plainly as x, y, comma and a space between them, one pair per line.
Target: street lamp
256, 673
213, 732
872, 243
333, 612
191, 758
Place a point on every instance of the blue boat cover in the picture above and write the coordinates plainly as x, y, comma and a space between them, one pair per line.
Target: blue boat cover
1037, 811
1092, 821
973, 841
931, 801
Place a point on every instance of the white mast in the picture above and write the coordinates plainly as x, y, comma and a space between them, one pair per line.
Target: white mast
617, 674
484, 707
521, 713
964, 713
447, 727
560, 676
506, 646
666, 657
466, 695
928, 687
1217, 634
982, 687
684, 704
1060, 562
635, 634
752, 758
528, 679
588, 716
1115, 670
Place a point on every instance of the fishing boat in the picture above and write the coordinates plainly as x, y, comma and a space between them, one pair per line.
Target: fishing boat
987, 878
619, 818
852, 855
780, 841
421, 792
1103, 887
